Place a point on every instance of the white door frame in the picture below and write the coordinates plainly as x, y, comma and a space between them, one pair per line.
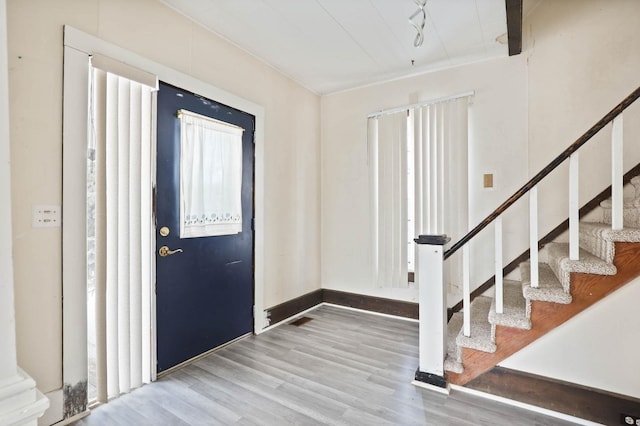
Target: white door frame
78, 47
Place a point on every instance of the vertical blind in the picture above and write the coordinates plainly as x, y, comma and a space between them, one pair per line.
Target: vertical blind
436, 135
388, 146
121, 111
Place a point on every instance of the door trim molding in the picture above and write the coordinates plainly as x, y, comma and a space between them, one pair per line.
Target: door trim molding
74, 134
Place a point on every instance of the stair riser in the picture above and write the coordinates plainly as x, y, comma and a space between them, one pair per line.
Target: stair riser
630, 218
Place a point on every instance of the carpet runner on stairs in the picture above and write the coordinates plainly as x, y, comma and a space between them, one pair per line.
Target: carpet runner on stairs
597, 250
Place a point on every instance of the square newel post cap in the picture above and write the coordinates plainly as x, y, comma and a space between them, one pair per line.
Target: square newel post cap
434, 240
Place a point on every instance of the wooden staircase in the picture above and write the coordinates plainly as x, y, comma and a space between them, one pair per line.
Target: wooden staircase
586, 289
599, 259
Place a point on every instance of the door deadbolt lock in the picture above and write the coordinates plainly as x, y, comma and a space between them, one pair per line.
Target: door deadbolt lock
164, 231
165, 251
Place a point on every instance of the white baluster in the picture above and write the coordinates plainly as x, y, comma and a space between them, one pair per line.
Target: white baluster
498, 265
574, 227
466, 292
533, 237
616, 174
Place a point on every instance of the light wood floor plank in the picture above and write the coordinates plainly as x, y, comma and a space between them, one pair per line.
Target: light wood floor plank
341, 368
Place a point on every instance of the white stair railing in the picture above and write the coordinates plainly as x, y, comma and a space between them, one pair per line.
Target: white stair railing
430, 271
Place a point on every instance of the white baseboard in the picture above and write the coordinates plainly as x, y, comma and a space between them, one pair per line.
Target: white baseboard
53, 414
73, 419
427, 386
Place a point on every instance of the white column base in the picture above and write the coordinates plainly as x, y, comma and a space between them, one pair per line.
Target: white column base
20, 402
432, 310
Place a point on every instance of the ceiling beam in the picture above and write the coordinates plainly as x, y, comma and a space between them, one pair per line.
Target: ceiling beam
514, 26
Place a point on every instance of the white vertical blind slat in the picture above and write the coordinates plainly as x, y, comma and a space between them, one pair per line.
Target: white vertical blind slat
418, 172
124, 255
395, 207
402, 273
113, 388
146, 232
384, 200
135, 236
433, 168
99, 123
425, 141
372, 138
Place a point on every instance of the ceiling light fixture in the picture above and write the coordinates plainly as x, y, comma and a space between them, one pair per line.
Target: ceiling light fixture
419, 26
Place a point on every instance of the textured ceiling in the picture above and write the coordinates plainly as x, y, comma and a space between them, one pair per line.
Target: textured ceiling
333, 45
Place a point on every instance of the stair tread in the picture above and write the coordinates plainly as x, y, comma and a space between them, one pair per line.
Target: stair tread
603, 231
587, 264
480, 338
562, 266
549, 287
627, 203
514, 307
600, 240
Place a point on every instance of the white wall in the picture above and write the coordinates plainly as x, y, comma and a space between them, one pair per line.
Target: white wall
584, 57
567, 94
497, 145
597, 348
580, 58
146, 27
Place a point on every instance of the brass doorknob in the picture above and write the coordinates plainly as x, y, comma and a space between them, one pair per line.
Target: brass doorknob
165, 251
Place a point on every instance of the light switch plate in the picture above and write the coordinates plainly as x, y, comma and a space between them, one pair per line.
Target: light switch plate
487, 180
45, 216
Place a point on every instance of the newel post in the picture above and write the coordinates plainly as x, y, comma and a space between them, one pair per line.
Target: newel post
433, 311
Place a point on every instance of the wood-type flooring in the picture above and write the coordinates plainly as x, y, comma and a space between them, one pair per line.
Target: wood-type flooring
340, 368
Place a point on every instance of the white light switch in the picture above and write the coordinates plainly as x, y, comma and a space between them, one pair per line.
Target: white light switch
45, 217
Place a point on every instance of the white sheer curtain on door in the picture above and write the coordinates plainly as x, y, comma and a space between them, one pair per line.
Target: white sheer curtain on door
121, 132
210, 176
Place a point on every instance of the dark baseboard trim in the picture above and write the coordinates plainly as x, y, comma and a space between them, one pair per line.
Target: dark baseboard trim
293, 307
567, 398
380, 305
431, 379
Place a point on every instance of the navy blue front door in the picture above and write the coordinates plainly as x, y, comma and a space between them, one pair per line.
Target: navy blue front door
204, 294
